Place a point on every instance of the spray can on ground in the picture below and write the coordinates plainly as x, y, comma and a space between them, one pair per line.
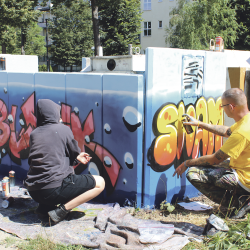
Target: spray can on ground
12, 178
6, 203
188, 128
8, 180
5, 188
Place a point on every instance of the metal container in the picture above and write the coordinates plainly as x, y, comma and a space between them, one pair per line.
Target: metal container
219, 43
5, 188
6, 203
8, 179
188, 128
12, 178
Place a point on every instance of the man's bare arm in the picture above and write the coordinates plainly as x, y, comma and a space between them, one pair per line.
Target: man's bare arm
216, 129
205, 160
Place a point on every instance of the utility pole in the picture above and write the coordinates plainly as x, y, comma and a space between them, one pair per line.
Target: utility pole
22, 42
47, 46
95, 19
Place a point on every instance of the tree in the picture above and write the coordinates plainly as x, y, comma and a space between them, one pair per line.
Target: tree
13, 14
71, 32
34, 43
120, 25
44, 68
95, 18
193, 24
243, 19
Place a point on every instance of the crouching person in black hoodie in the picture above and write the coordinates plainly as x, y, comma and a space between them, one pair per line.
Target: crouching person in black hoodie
51, 179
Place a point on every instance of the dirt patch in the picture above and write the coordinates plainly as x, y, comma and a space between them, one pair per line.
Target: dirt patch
182, 215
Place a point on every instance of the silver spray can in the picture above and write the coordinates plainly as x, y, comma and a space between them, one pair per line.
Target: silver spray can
12, 178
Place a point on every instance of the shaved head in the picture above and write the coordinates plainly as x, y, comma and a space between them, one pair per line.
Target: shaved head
235, 96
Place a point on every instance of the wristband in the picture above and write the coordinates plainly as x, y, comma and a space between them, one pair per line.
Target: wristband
76, 162
185, 164
198, 123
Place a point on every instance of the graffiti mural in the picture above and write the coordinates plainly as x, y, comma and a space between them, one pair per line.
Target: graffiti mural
13, 142
104, 125
130, 124
179, 82
83, 133
16, 143
171, 137
192, 76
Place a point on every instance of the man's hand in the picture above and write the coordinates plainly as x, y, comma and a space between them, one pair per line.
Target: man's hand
84, 158
180, 170
191, 120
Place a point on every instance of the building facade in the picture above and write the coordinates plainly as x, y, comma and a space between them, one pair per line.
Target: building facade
155, 15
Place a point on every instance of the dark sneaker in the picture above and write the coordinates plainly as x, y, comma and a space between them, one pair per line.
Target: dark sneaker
58, 214
242, 212
42, 210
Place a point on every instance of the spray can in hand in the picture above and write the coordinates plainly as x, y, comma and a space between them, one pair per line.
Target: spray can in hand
188, 128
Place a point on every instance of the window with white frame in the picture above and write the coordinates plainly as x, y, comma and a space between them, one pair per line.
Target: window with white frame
147, 4
160, 24
159, 1
147, 28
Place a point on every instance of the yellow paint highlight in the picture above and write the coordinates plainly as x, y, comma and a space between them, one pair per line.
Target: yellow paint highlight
170, 142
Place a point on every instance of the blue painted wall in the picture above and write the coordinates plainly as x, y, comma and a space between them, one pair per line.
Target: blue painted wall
114, 118
175, 76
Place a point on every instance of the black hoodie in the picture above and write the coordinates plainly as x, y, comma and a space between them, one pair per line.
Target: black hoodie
53, 149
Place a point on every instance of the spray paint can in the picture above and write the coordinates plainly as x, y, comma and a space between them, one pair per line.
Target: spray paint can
188, 128
8, 180
6, 203
12, 178
5, 188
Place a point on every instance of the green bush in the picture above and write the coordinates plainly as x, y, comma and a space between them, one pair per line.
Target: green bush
43, 68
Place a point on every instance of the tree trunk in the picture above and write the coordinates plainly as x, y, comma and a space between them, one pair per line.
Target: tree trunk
22, 42
3, 49
97, 42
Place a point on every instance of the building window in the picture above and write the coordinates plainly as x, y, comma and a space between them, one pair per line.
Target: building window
160, 24
159, 1
147, 28
147, 4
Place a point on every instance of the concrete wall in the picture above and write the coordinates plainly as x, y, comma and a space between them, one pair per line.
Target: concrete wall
178, 82
130, 124
105, 114
20, 63
237, 65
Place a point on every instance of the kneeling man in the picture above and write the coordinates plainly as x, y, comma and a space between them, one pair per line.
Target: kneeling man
224, 182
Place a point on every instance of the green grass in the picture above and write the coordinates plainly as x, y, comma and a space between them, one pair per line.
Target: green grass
195, 245
39, 243
8, 241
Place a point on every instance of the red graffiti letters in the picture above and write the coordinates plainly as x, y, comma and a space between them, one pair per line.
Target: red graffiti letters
4, 127
12, 141
82, 134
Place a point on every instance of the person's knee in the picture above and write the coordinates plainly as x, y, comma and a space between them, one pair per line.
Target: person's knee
192, 175
188, 175
100, 182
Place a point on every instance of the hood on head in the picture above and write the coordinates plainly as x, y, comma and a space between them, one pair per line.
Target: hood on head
47, 112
